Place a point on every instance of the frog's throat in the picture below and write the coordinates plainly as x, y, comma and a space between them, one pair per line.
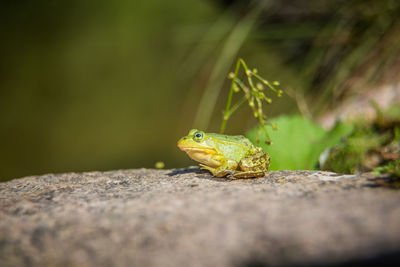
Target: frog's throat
206, 156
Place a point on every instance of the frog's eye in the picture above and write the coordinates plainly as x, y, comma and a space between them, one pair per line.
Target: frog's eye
193, 131
198, 136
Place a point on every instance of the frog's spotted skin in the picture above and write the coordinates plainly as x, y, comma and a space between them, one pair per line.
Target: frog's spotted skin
225, 155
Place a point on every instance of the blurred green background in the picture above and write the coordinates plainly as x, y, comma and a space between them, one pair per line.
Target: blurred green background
101, 85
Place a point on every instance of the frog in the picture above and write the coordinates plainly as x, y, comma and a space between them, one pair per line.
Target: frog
225, 155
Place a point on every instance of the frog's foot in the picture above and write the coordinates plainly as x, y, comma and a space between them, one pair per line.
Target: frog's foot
249, 174
216, 172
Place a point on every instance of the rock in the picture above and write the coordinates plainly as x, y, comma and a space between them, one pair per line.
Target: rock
188, 218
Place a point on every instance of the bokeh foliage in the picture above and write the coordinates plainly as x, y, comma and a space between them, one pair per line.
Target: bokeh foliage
298, 142
90, 85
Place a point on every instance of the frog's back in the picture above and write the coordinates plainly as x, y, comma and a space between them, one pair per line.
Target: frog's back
232, 140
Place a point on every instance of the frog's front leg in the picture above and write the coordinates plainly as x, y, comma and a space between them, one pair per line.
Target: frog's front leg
226, 168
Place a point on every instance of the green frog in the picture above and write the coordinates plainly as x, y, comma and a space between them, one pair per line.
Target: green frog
225, 155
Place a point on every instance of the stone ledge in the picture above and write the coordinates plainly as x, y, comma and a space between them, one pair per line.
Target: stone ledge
188, 218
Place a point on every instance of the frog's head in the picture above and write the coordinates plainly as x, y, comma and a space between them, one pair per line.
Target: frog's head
199, 147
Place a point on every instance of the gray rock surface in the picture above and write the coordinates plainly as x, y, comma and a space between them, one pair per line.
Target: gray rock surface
189, 218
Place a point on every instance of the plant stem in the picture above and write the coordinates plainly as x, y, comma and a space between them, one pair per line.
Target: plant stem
236, 106
252, 94
229, 100
265, 82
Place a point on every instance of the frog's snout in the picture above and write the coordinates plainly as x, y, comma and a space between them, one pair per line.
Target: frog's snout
181, 142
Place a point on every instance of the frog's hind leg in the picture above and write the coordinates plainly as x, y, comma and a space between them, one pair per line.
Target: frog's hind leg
253, 166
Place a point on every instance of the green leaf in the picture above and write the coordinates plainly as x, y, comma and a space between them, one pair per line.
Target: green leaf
298, 142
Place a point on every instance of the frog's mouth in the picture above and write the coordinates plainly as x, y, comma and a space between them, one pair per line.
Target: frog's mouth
197, 149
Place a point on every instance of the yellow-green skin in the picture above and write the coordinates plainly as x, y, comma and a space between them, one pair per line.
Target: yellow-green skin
225, 154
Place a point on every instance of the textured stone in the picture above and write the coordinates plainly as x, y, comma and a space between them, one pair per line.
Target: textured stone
189, 218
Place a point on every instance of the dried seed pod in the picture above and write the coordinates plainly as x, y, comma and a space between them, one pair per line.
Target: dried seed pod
235, 88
